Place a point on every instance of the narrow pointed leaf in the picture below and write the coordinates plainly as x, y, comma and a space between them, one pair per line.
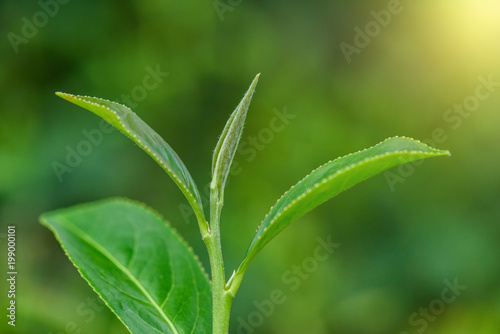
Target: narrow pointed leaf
228, 142
331, 179
125, 120
137, 264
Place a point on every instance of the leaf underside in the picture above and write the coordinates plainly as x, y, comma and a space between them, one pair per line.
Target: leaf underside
331, 179
137, 264
125, 120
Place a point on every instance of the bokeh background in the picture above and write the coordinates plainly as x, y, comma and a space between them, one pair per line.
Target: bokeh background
401, 235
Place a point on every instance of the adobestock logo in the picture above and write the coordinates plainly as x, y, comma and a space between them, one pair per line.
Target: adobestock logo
86, 312
149, 83
249, 148
293, 278
420, 320
221, 7
30, 27
455, 117
83, 148
372, 29
95, 137
251, 145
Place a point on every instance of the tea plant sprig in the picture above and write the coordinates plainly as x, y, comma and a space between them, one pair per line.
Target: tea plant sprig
139, 265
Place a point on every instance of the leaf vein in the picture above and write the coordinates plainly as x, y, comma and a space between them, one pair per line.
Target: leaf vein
84, 236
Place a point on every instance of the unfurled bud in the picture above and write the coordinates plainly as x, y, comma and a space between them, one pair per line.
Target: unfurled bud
229, 140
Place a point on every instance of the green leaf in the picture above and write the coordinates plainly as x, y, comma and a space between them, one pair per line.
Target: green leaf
228, 142
331, 179
125, 120
137, 264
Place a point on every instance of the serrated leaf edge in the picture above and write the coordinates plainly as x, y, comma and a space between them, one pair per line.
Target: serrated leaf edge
123, 128
128, 201
336, 174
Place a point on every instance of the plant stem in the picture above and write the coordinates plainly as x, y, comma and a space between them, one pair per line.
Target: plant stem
221, 298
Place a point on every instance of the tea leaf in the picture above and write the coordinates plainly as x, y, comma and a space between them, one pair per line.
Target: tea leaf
228, 142
137, 264
330, 180
125, 120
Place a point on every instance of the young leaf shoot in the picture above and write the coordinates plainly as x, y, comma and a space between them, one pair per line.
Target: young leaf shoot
144, 271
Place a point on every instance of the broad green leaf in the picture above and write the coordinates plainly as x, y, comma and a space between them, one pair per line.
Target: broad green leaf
137, 264
331, 179
228, 142
125, 120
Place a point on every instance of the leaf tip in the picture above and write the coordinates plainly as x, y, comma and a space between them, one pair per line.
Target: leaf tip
254, 82
66, 96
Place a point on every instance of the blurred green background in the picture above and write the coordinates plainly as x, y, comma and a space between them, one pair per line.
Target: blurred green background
401, 235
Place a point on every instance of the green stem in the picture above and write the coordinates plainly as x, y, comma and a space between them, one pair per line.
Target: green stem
221, 298
235, 281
